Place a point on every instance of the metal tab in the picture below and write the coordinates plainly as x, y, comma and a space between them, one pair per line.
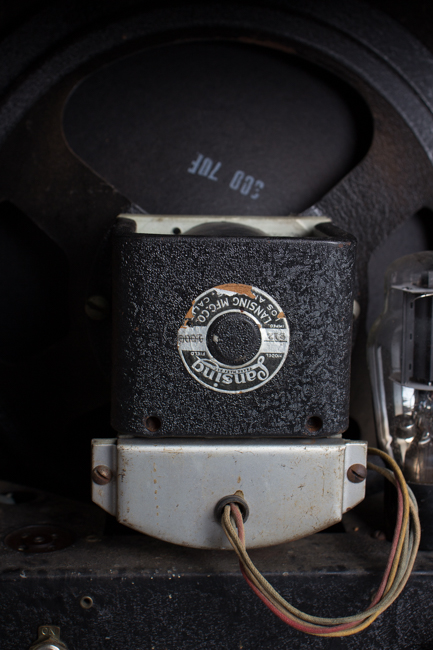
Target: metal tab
169, 488
48, 639
104, 452
157, 224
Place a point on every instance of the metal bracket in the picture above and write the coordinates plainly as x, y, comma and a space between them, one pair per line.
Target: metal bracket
169, 488
48, 639
155, 224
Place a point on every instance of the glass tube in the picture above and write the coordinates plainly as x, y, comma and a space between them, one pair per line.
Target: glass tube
400, 356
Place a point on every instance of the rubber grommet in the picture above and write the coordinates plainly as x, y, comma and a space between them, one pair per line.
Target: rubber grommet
232, 498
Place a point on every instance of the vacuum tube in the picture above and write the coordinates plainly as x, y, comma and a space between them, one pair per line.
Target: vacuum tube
400, 356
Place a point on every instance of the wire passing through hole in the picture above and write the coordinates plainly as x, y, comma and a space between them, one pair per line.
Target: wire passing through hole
235, 499
402, 556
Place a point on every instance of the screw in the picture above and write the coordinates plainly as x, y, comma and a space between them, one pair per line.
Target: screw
357, 473
102, 475
356, 309
97, 307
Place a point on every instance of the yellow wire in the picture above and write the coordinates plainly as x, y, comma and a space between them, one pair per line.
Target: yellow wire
404, 549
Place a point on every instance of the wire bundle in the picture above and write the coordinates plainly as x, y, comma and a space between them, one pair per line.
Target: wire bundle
404, 548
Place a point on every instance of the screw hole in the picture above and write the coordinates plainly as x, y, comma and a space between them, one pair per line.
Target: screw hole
176, 231
86, 602
314, 423
152, 423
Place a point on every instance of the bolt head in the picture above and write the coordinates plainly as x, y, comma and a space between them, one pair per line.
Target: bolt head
101, 474
357, 473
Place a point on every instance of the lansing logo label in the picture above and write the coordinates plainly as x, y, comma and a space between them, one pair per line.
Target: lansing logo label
265, 317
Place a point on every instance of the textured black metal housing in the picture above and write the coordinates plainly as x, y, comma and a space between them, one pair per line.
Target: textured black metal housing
156, 279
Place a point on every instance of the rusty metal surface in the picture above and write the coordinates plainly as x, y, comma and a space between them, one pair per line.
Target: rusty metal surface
169, 488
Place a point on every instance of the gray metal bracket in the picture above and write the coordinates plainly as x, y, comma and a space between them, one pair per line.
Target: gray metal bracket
169, 488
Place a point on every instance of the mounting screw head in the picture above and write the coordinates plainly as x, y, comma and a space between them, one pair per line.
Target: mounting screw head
101, 474
357, 473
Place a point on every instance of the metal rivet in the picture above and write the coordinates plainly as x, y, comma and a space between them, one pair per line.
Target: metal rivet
357, 473
102, 475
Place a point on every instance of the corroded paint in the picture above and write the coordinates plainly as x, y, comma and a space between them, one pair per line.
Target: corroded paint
189, 315
243, 289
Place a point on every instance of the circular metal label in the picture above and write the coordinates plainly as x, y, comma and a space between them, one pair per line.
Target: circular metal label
234, 338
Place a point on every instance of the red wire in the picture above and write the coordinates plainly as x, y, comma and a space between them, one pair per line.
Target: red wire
305, 628
395, 539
